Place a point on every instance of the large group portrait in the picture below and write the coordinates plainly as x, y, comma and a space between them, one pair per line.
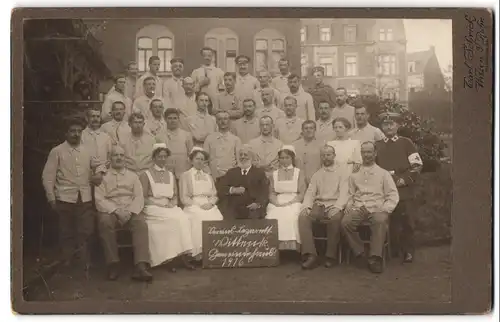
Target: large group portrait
225, 162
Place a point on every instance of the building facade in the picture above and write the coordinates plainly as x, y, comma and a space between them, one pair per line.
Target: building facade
366, 56
264, 40
424, 72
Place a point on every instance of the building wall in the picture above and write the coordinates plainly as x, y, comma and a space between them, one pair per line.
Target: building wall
433, 76
119, 38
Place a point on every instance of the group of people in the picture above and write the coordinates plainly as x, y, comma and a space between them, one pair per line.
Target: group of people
162, 156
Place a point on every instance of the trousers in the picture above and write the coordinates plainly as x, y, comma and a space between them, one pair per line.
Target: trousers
378, 226
402, 228
76, 225
107, 232
332, 233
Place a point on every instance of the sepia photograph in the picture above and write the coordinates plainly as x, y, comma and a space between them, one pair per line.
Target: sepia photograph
240, 159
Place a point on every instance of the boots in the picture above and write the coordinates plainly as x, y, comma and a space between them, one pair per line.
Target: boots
141, 273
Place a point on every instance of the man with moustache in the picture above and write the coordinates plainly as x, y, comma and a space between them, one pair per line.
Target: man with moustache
320, 91
289, 128
307, 151
266, 147
172, 91
343, 109
208, 78
246, 84
364, 131
188, 106
325, 131
280, 82
142, 103
130, 80
119, 202
118, 126
372, 197
247, 127
264, 80
95, 140
137, 144
201, 124
116, 94
244, 190
324, 202
400, 157
228, 101
67, 177
154, 67
305, 105
268, 108
156, 125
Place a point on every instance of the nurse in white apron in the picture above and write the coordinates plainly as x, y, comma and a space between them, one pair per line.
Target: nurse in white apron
199, 197
347, 150
287, 191
169, 228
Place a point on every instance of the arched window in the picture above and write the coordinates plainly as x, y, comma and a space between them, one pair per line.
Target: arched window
154, 40
224, 42
270, 46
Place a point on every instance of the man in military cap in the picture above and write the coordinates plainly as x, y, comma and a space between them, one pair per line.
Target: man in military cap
173, 93
321, 91
400, 157
246, 83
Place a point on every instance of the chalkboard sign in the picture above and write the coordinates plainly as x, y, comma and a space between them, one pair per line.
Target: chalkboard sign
240, 243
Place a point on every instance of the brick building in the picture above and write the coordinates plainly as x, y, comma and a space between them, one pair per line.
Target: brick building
424, 72
363, 55
264, 40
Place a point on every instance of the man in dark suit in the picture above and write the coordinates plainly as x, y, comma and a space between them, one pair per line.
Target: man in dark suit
244, 190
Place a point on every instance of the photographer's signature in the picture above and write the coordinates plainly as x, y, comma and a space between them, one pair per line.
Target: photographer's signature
475, 52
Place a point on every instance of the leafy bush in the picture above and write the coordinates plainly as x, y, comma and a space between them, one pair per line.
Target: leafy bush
421, 131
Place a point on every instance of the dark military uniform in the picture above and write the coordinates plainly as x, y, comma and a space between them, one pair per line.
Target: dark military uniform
321, 92
400, 157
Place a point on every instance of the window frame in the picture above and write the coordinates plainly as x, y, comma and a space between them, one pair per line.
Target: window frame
390, 63
325, 31
356, 65
410, 64
355, 29
154, 32
325, 65
222, 36
270, 35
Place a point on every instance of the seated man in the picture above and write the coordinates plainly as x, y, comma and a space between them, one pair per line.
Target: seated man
372, 197
324, 201
244, 190
119, 201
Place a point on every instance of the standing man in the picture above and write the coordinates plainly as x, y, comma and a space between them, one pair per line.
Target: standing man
269, 109
154, 67
343, 109
201, 124
142, 103
172, 91
247, 127
118, 126
246, 84
320, 91
130, 80
364, 131
178, 141
305, 105
227, 100
244, 190
119, 202
156, 125
96, 141
208, 78
66, 178
138, 145
325, 131
280, 82
372, 197
324, 202
264, 81
116, 94
400, 157
188, 106
266, 146
222, 146
289, 128
307, 148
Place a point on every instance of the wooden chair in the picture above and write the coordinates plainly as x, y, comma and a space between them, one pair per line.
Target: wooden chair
319, 235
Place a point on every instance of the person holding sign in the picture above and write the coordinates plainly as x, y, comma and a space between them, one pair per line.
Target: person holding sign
324, 202
169, 228
244, 190
288, 187
199, 196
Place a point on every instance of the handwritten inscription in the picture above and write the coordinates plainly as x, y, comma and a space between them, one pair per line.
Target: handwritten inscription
475, 52
240, 243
